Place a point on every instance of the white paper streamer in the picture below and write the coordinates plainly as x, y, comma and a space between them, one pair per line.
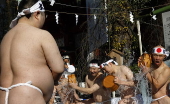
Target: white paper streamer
76, 18
56, 15
105, 4
154, 16
19, 1
131, 17
94, 18
52, 2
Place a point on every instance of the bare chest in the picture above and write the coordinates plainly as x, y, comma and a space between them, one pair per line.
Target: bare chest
121, 76
156, 73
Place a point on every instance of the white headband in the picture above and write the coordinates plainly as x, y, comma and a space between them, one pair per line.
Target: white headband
107, 62
94, 65
36, 7
66, 57
159, 50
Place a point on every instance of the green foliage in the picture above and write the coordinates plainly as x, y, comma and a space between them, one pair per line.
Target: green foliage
134, 68
120, 29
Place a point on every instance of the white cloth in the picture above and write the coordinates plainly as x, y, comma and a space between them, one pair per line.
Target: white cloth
71, 69
36, 7
159, 50
115, 100
94, 65
17, 85
66, 57
158, 98
107, 62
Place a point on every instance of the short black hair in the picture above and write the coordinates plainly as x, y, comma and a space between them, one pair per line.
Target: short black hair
24, 4
95, 61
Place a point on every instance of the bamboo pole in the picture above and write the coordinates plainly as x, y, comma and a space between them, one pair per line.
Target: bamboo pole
139, 34
161, 10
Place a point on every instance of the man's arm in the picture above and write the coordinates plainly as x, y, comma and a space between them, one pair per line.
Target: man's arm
90, 90
0, 66
129, 77
161, 80
127, 83
52, 55
56, 77
87, 90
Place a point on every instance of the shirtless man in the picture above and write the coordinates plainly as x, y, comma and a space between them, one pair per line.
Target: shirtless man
62, 89
124, 78
94, 86
66, 60
30, 58
158, 76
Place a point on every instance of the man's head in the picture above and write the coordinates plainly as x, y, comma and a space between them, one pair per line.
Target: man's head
94, 67
66, 59
32, 10
108, 65
158, 55
24, 4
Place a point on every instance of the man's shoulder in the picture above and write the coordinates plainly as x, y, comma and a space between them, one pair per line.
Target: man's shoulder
100, 77
31, 30
43, 34
166, 67
124, 68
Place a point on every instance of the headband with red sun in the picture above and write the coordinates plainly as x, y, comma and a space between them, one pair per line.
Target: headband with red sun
159, 50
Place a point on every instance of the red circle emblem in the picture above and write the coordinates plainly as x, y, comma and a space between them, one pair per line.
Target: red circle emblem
158, 50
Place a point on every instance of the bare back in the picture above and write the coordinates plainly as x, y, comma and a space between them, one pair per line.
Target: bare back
24, 58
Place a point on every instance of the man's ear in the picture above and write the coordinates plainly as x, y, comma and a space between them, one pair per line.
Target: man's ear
110, 63
36, 14
165, 57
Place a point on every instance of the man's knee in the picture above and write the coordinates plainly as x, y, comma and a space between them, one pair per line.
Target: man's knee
121, 101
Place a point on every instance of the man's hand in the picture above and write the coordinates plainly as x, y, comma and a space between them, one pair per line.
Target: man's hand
63, 81
143, 66
66, 66
73, 85
144, 69
117, 80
